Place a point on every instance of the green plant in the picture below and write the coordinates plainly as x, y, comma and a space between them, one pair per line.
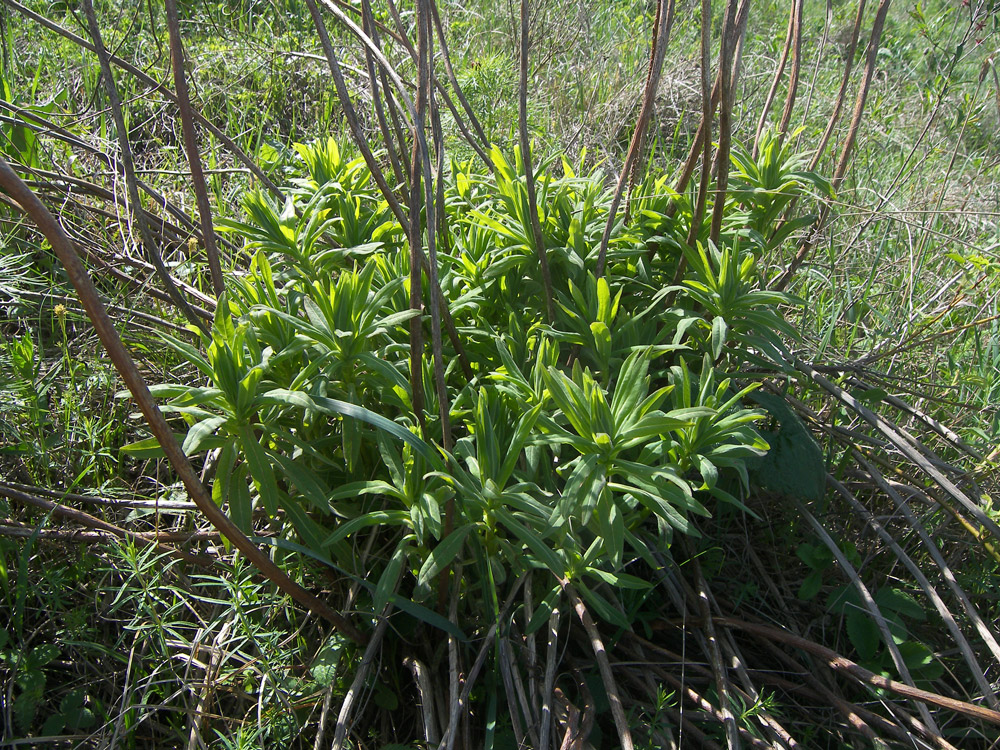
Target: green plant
455, 475
577, 441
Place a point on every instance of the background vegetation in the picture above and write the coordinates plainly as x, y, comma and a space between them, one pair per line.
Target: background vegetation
636, 438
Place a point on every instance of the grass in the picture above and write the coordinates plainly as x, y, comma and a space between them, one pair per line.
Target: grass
112, 640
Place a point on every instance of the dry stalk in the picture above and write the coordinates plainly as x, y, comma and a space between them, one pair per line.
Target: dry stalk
375, 77
730, 34
779, 73
839, 663
160, 540
529, 174
367, 659
350, 115
719, 670
191, 147
128, 171
551, 662
658, 47
897, 437
705, 132
603, 664
426, 692
710, 710
448, 741
841, 169
793, 76
506, 669
869, 601
841, 97
153, 85
983, 628
208, 687
978, 674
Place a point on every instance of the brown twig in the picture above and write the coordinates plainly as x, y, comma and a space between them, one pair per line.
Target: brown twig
128, 170
793, 75
453, 79
779, 73
705, 133
892, 489
842, 92
869, 603
105, 528
841, 169
551, 662
451, 733
842, 664
730, 35
161, 538
658, 46
603, 664
358, 136
425, 690
977, 672
392, 147
529, 175
715, 657
367, 659
153, 85
191, 147
898, 439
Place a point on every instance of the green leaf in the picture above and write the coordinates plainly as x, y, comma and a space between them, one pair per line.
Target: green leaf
201, 433
816, 556
240, 504
442, 555
53, 725
525, 426
41, 655
149, 448
260, 469
375, 518
224, 473
487, 449
863, 632
920, 660
794, 466
871, 395
306, 482
631, 387
387, 582
571, 401
544, 609
75, 713
811, 585
310, 532
583, 488
418, 611
619, 580
719, 332
534, 542
302, 400
324, 667
602, 340
386, 698
353, 489
894, 600
612, 528
602, 608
